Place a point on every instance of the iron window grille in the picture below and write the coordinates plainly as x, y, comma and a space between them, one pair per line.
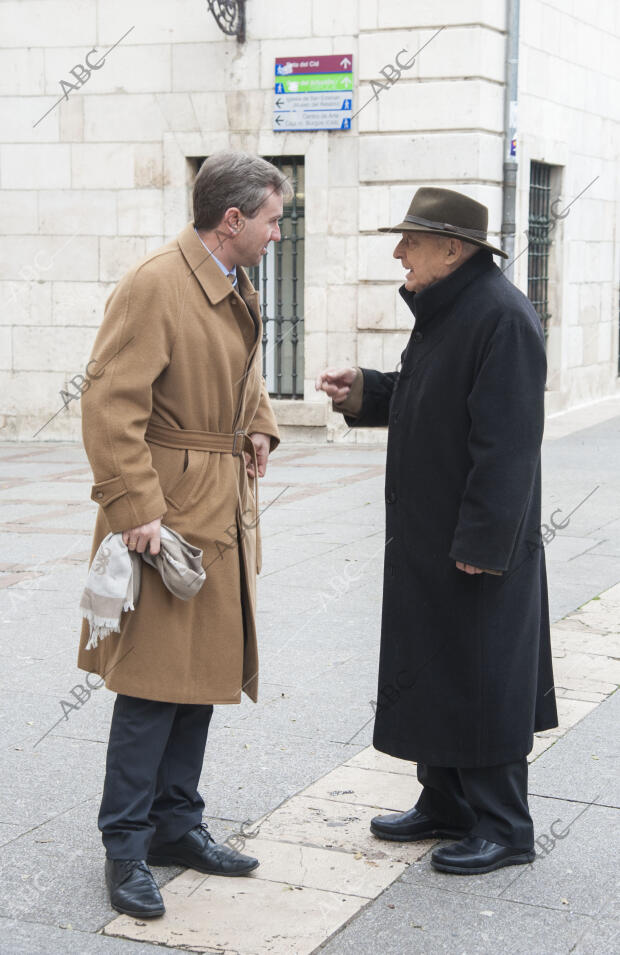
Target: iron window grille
539, 241
279, 281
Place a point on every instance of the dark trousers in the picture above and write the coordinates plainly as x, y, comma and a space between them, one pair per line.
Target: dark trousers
154, 760
490, 802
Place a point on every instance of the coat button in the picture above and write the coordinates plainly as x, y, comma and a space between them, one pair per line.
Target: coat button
99, 494
418, 336
391, 497
396, 416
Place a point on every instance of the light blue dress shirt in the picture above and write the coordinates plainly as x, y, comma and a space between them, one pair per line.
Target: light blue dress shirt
226, 272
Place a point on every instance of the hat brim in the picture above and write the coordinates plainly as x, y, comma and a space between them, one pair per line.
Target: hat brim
411, 227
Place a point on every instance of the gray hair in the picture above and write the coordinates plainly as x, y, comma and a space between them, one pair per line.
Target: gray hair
236, 179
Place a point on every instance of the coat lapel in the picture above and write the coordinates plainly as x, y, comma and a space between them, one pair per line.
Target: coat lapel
217, 288
201, 263
213, 281
250, 296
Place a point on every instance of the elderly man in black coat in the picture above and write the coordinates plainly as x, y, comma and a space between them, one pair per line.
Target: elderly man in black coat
465, 674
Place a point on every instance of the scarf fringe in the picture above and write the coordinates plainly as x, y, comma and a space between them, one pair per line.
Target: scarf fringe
101, 627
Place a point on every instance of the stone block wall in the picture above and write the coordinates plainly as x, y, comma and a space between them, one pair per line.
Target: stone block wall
104, 177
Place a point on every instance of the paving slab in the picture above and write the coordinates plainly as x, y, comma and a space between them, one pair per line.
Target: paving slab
574, 863
327, 824
327, 869
33, 938
575, 582
600, 938
243, 778
582, 671
371, 758
378, 790
428, 921
566, 636
542, 742
296, 712
25, 716
570, 712
584, 764
8, 832
58, 777
566, 548
239, 917
574, 423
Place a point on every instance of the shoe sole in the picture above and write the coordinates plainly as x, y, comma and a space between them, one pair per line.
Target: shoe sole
434, 834
480, 870
139, 915
164, 861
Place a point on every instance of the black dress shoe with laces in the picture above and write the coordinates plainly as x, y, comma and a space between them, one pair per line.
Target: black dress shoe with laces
197, 849
474, 856
133, 890
412, 826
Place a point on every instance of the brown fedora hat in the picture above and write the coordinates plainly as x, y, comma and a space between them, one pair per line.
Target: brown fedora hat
449, 213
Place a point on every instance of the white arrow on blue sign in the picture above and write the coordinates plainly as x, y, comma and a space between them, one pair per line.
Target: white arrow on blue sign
312, 101
312, 119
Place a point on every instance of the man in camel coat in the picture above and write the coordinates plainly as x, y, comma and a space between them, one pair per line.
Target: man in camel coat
178, 429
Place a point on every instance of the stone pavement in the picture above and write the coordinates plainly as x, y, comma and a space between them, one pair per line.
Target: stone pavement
294, 777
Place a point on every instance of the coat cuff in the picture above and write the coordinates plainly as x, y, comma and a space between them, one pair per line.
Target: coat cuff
352, 404
124, 508
264, 422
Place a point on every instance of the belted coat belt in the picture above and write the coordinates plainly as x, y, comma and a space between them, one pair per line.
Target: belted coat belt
176, 391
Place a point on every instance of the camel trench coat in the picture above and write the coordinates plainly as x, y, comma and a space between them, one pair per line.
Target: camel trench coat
179, 348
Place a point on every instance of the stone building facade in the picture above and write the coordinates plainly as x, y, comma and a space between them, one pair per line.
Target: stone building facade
105, 176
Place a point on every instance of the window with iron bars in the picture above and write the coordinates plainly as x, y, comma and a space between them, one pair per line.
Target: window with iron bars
539, 241
279, 280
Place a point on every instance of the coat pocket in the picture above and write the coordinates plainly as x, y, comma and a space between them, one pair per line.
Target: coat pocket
194, 464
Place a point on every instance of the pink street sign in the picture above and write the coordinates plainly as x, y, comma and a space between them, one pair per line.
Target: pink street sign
296, 65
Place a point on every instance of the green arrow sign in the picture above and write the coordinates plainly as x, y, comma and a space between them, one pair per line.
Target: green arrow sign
315, 82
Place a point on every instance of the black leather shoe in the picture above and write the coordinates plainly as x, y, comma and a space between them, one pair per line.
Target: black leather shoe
133, 890
474, 856
411, 826
197, 849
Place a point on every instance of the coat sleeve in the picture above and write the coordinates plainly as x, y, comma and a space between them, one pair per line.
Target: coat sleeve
506, 409
132, 348
264, 421
368, 404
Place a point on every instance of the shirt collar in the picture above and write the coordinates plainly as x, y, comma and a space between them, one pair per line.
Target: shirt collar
226, 272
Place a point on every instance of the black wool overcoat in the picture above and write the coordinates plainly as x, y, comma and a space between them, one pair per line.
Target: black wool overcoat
465, 675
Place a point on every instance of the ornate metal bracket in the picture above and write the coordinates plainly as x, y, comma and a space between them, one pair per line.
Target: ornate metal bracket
230, 17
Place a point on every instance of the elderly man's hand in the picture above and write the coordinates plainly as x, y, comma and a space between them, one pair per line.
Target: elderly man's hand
336, 383
470, 569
